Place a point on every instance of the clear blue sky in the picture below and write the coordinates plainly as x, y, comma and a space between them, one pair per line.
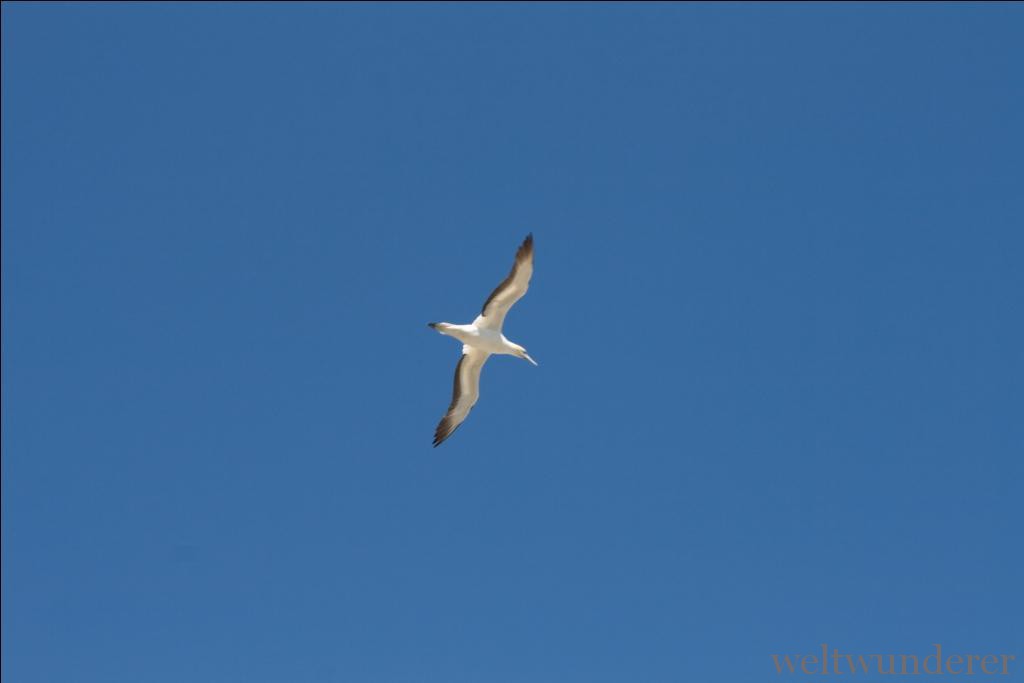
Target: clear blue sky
777, 310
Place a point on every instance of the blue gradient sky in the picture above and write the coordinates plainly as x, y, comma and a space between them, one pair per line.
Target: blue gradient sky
777, 310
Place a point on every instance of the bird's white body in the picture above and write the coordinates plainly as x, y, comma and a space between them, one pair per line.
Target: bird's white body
483, 338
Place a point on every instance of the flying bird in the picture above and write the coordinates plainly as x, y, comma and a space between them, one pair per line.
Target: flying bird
482, 338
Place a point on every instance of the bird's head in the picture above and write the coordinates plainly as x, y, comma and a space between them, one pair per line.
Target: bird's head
521, 353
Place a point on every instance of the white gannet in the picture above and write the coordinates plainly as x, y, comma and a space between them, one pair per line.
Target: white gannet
482, 338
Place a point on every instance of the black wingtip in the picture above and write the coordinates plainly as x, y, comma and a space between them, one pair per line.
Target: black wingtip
526, 248
432, 326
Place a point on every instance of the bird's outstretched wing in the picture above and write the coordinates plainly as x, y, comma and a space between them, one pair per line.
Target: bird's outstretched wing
465, 393
510, 290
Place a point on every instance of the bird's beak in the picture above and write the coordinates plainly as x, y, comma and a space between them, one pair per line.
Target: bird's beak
527, 357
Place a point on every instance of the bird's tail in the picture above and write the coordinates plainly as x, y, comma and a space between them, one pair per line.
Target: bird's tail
440, 327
